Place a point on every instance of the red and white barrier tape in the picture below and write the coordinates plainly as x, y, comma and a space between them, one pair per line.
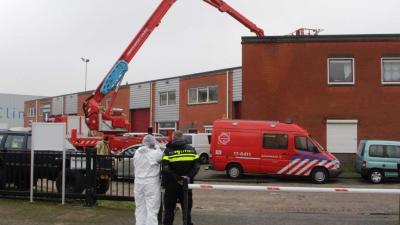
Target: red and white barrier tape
293, 189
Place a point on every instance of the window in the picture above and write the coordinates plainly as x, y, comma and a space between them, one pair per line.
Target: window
393, 151
1, 137
14, 142
188, 139
341, 71
390, 70
377, 151
208, 129
275, 141
45, 109
304, 144
167, 98
202, 95
32, 112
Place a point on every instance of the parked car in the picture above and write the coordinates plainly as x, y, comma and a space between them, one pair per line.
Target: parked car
269, 147
201, 142
124, 168
378, 160
48, 165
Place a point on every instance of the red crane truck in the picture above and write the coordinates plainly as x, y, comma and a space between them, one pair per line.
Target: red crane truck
111, 122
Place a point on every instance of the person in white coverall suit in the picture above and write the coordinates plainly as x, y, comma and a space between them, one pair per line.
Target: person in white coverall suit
147, 181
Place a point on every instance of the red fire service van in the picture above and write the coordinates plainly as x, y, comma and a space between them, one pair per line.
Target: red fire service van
269, 147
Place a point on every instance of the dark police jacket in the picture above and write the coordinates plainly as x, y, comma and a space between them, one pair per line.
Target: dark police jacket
180, 159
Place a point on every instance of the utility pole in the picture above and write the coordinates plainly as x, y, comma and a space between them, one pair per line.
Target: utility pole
86, 62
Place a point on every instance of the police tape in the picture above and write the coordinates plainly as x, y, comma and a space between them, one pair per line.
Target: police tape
293, 189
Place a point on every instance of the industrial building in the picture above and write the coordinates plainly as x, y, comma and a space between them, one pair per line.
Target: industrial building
189, 102
12, 110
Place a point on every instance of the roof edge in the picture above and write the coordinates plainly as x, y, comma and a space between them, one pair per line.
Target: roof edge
321, 38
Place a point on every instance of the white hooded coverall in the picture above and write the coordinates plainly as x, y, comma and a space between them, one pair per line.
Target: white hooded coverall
147, 188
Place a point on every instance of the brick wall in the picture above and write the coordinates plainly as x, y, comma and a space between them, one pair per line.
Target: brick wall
289, 79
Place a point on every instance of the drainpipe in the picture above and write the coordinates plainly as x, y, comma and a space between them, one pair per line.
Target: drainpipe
37, 111
151, 106
227, 94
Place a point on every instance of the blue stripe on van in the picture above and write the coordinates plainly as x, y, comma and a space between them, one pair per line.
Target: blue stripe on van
323, 158
315, 156
306, 156
298, 155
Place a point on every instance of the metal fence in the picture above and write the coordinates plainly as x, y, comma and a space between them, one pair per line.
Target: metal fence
88, 176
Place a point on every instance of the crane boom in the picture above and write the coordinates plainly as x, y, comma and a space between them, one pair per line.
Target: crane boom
98, 119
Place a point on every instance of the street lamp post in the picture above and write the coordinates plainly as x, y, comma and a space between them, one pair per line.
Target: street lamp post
86, 62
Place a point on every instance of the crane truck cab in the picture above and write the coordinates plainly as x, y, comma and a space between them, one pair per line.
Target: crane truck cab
269, 147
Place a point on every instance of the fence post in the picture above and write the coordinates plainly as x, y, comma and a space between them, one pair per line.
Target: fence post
185, 210
90, 155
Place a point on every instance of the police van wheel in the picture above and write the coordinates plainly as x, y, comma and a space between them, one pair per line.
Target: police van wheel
74, 182
319, 175
234, 171
203, 158
102, 186
376, 176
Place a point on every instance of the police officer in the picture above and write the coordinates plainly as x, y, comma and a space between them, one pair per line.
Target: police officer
180, 161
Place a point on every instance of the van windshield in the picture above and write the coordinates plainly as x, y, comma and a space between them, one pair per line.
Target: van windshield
317, 143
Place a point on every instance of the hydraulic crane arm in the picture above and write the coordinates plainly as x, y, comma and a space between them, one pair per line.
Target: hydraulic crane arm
103, 120
224, 7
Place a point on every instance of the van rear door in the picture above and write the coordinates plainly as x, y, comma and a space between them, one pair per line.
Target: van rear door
239, 146
392, 161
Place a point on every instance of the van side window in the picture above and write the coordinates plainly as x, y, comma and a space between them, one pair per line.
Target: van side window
304, 144
1, 137
15, 142
393, 151
275, 141
360, 150
377, 151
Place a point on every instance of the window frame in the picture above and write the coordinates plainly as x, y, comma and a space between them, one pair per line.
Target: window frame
32, 112
280, 148
382, 72
208, 101
341, 83
168, 93
308, 141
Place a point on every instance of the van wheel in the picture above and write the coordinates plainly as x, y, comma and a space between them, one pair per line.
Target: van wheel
74, 182
234, 171
102, 186
203, 158
376, 176
319, 175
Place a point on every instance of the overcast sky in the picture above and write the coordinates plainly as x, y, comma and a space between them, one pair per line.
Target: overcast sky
42, 41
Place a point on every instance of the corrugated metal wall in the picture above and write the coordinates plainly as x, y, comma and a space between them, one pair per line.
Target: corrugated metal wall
139, 96
71, 104
12, 109
237, 85
168, 112
57, 105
